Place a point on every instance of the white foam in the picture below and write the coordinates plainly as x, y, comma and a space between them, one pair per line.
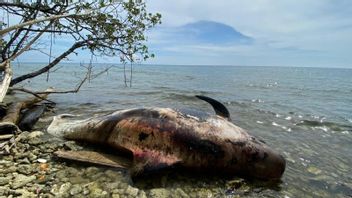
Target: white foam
275, 124
288, 118
259, 122
323, 128
345, 132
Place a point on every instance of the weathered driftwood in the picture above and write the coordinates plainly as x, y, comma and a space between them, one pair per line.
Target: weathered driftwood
30, 117
14, 110
95, 158
6, 137
8, 128
7, 77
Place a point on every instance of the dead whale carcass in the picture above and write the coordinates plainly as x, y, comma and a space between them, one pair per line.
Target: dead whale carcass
164, 137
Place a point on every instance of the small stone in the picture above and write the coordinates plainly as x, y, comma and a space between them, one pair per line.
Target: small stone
111, 186
314, 170
4, 180
4, 190
159, 192
22, 180
41, 160
35, 141
10, 169
91, 171
76, 189
24, 193
142, 194
23, 161
180, 193
115, 196
32, 157
35, 134
133, 192
25, 169
64, 188
72, 145
78, 180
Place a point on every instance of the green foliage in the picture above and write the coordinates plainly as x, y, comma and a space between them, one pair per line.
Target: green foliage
106, 27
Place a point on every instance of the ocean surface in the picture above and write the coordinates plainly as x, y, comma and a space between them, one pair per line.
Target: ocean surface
304, 113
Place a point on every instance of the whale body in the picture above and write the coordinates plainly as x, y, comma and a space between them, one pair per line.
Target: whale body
163, 137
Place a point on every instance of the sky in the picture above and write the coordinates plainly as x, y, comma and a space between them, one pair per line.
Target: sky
306, 33
310, 33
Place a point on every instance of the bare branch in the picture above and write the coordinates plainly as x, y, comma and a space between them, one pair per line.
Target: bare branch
17, 26
49, 66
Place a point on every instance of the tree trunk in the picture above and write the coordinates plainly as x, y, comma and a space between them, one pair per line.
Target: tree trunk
6, 80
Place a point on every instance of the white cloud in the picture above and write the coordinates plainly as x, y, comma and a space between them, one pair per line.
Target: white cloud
294, 32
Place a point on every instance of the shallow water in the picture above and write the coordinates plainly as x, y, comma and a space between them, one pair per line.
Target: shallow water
305, 113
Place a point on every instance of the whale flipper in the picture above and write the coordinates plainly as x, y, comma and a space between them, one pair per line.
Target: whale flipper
218, 107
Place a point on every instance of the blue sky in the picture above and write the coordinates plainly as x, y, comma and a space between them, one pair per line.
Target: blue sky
310, 33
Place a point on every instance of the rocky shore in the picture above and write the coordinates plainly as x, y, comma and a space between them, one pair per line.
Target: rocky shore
31, 170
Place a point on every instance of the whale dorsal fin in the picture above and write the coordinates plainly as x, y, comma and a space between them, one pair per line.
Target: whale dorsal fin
219, 108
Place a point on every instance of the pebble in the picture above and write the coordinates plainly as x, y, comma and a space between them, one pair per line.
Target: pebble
64, 188
41, 160
25, 169
76, 189
314, 170
21, 180
159, 192
4, 190
131, 191
35, 134
4, 180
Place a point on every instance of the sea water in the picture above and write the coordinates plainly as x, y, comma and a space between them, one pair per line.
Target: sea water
304, 113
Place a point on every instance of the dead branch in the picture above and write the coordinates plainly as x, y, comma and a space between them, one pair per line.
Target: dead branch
49, 66
14, 110
7, 77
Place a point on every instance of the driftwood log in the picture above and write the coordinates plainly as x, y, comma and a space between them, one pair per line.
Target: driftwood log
92, 157
14, 110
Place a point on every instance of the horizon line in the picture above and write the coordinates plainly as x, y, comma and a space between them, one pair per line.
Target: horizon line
207, 65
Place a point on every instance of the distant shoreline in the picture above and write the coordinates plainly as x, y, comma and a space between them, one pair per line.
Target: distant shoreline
198, 65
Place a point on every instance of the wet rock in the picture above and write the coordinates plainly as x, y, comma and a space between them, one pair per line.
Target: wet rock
159, 192
131, 191
76, 189
21, 180
314, 170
